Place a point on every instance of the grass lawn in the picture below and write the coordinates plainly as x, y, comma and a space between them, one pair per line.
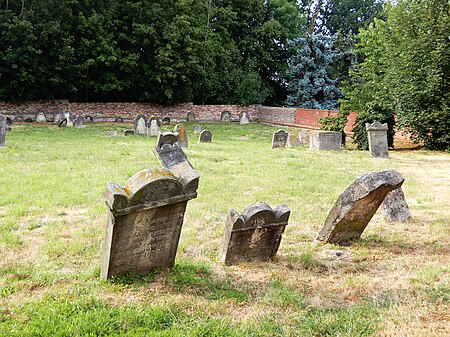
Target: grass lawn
393, 281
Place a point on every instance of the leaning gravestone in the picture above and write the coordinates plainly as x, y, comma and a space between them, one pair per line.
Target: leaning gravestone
279, 139
144, 223
325, 141
190, 117
80, 122
180, 129
40, 117
395, 207
205, 137
140, 125
2, 130
197, 128
357, 204
225, 116
8, 124
255, 235
171, 156
153, 127
294, 141
377, 137
244, 118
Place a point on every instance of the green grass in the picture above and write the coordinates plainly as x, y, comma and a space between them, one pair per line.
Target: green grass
53, 215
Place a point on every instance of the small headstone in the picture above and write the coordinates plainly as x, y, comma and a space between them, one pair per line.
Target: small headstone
153, 127
180, 129
111, 133
190, 117
197, 128
128, 133
144, 223
118, 120
140, 125
63, 123
68, 117
279, 139
89, 119
225, 116
255, 235
205, 137
294, 141
325, 141
395, 207
377, 137
304, 136
357, 204
40, 117
244, 118
8, 124
80, 122
2, 130
166, 121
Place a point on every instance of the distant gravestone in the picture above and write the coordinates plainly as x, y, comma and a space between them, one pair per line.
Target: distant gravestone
28, 120
190, 117
80, 122
171, 156
8, 124
57, 117
63, 123
40, 117
68, 117
255, 235
395, 207
294, 141
128, 133
89, 119
144, 223
377, 137
197, 128
166, 121
279, 139
225, 116
357, 204
2, 130
118, 120
180, 129
140, 125
244, 118
18, 119
325, 141
111, 133
153, 127
205, 137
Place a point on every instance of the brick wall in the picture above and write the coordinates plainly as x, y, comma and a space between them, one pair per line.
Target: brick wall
280, 116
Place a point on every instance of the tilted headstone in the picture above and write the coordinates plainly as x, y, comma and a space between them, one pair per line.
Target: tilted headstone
244, 118
8, 124
205, 137
255, 235
63, 123
294, 141
2, 130
377, 137
325, 141
171, 156
225, 116
190, 117
180, 129
128, 133
80, 122
40, 117
357, 204
140, 125
144, 223
395, 207
153, 127
279, 139
197, 128
166, 121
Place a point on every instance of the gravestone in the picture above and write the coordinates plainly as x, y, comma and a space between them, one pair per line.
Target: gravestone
166, 121
57, 117
244, 118
190, 117
144, 223
118, 120
180, 129
140, 125
62, 123
395, 207
153, 127
294, 141
8, 124
28, 120
205, 137
111, 133
225, 116
171, 156
255, 235
357, 204
279, 139
128, 133
40, 117
68, 117
325, 141
80, 122
89, 119
18, 119
377, 137
2, 130
197, 128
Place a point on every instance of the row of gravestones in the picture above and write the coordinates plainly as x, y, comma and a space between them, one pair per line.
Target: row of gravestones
145, 216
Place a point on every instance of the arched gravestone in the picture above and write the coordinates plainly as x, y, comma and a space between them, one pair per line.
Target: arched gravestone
144, 223
279, 139
181, 131
140, 125
118, 120
2, 130
8, 124
171, 156
357, 204
190, 117
255, 235
153, 127
205, 137
166, 121
244, 118
225, 116
40, 117
89, 119
80, 122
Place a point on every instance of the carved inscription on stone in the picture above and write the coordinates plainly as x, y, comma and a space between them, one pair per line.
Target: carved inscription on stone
279, 139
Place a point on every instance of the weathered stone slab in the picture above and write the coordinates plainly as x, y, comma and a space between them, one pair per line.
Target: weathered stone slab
244, 118
190, 117
127, 133
2, 130
205, 137
8, 124
80, 122
144, 223
40, 117
171, 156
294, 141
111, 133
377, 137
153, 127
255, 235
181, 131
166, 121
395, 207
225, 116
357, 204
197, 128
279, 139
325, 141
140, 125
